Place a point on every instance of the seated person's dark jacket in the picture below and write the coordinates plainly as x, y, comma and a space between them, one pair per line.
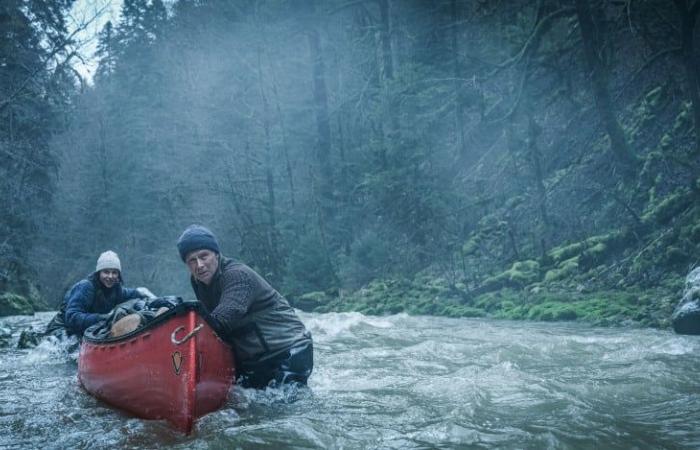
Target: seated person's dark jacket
249, 314
88, 299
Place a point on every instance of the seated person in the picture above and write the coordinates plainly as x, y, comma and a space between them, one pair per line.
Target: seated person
90, 300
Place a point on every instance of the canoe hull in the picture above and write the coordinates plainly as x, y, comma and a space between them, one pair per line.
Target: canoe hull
155, 375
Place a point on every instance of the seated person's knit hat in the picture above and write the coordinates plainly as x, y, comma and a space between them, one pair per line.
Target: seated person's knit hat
108, 260
196, 237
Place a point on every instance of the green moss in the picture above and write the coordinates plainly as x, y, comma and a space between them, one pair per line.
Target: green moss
461, 311
675, 255
514, 202
311, 301
663, 211
647, 307
520, 274
683, 119
594, 255
470, 247
15, 305
553, 311
691, 232
565, 252
494, 301
653, 97
566, 269
424, 295
597, 249
592, 249
665, 142
644, 112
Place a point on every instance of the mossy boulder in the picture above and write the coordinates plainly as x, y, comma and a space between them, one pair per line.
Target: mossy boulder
311, 300
553, 311
564, 252
565, 270
495, 300
591, 251
520, 274
15, 305
454, 310
663, 211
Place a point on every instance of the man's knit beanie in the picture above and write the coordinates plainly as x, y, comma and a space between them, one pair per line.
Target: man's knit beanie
196, 237
108, 260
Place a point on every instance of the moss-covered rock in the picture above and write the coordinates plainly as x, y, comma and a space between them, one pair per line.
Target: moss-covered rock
453, 310
311, 300
564, 270
520, 274
553, 311
591, 251
14, 305
564, 252
29, 339
663, 211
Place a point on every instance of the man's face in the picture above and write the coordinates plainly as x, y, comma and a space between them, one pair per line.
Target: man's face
202, 264
108, 277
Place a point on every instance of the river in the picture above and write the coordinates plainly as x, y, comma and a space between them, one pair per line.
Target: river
397, 382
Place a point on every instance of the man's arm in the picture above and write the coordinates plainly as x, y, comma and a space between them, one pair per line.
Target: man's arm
237, 288
80, 298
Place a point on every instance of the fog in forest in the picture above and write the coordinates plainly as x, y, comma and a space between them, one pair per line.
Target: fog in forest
455, 157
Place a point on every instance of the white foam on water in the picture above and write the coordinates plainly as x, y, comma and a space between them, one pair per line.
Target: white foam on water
334, 324
52, 349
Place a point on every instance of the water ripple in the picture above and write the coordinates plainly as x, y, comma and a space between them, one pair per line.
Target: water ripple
398, 382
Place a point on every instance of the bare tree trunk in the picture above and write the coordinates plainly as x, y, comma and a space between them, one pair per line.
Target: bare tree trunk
533, 133
599, 80
273, 250
285, 143
320, 95
688, 18
390, 122
283, 130
457, 73
385, 37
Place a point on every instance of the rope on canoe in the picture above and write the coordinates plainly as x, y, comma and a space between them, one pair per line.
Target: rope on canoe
187, 337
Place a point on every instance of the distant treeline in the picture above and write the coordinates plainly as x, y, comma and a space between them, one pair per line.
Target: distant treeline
512, 147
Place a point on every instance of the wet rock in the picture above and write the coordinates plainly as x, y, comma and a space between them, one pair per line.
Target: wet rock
14, 305
311, 301
29, 339
686, 317
5, 337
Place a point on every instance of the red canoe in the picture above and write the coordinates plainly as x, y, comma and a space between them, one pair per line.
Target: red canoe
175, 368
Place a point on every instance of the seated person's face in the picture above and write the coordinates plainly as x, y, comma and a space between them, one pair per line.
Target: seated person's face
108, 277
202, 264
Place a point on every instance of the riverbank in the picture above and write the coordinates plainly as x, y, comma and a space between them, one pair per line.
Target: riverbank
651, 307
12, 304
629, 276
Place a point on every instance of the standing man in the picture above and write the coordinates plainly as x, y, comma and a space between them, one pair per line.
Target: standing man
89, 300
271, 344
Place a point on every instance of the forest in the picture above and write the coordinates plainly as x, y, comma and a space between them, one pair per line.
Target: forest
466, 158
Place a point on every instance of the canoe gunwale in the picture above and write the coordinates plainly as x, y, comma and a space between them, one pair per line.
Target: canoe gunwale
180, 309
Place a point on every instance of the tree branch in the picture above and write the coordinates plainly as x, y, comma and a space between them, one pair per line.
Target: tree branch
536, 33
652, 59
57, 48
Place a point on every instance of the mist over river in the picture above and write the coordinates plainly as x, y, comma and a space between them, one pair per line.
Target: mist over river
397, 382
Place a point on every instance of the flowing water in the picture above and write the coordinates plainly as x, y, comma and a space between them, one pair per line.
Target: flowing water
397, 382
